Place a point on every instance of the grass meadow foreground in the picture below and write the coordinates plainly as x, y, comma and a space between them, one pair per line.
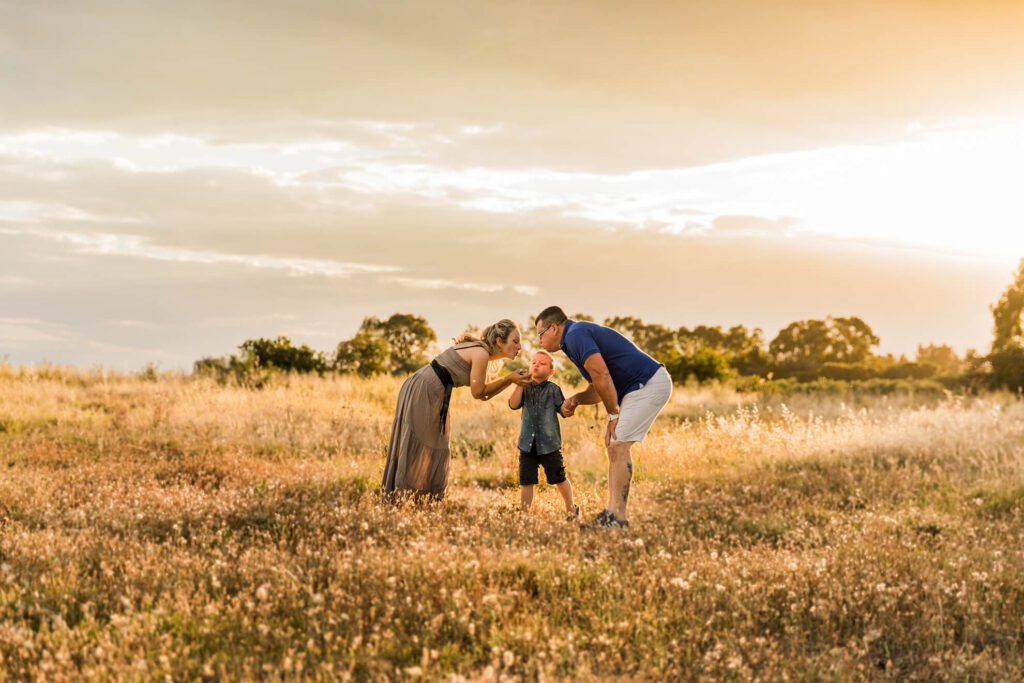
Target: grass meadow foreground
168, 527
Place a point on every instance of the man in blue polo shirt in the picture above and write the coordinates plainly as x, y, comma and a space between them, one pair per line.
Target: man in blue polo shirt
632, 386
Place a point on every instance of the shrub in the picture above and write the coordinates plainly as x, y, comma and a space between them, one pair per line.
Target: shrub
908, 370
846, 371
280, 354
1008, 368
703, 364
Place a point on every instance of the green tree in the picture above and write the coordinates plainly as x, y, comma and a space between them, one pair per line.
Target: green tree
942, 357
655, 340
280, 354
397, 345
366, 354
1006, 360
811, 343
409, 338
803, 341
703, 364
1006, 314
1007, 367
702, 336
852, 340
745, 349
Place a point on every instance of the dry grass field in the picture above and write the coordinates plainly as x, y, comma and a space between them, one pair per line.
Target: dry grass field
175, 528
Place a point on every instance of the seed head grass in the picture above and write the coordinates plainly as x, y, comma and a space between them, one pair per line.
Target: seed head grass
168, 527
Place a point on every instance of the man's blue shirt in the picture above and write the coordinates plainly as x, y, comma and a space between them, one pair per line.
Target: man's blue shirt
629, 367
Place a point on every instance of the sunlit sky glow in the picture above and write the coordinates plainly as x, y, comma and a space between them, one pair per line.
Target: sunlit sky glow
721, 167
948, 189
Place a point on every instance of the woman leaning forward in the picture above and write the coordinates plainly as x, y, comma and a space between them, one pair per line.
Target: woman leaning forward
419, 449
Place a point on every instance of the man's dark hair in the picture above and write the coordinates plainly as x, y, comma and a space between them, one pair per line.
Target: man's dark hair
552, 315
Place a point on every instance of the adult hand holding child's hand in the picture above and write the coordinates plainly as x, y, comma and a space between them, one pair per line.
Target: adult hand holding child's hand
569, 406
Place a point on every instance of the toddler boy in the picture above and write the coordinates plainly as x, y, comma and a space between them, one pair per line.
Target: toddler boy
540, 439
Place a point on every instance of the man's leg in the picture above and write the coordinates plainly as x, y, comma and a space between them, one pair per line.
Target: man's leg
620, 474
525, 497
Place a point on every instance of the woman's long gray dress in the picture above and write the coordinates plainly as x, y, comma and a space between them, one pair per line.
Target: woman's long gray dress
417, 458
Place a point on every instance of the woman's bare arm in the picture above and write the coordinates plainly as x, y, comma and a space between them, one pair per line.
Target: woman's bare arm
478, 385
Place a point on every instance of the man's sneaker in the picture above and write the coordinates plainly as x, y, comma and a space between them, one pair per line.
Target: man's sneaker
575, 515
606, 519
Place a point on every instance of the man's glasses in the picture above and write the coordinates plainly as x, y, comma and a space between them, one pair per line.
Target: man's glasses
545, 330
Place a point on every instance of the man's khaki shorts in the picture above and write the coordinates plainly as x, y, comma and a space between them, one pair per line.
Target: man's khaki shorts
639, 408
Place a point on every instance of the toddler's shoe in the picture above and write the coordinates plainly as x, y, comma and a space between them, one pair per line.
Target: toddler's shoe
575, 515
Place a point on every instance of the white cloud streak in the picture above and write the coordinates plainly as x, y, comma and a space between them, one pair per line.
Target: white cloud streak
431, 283
35, 212
20, 331
109, 244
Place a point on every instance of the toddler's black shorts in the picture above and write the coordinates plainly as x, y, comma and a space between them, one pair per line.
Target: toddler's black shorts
530, 464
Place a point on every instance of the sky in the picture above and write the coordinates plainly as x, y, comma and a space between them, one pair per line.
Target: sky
178, 177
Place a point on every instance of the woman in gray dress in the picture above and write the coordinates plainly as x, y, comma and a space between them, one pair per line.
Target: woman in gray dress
418, 453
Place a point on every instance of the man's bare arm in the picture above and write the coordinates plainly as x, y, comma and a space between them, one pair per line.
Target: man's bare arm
588, 396
601, 382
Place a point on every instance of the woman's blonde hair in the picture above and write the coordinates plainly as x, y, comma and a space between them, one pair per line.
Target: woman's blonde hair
491, 336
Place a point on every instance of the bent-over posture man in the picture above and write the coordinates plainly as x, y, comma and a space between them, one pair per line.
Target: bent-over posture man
632, 386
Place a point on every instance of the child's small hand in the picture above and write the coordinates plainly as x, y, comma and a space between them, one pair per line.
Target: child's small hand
569, 406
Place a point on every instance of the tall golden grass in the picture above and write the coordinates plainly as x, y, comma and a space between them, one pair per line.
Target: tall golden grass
163, 526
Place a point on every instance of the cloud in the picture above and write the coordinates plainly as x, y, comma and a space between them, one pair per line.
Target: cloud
922, 190
755, 225
33, 212
109, 244
14, 280
438, 283
18, 332
196, 310
138, 324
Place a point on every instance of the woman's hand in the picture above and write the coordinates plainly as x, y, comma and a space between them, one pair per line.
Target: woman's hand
520, 377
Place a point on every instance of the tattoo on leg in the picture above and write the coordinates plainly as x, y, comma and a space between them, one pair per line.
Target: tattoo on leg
625, 490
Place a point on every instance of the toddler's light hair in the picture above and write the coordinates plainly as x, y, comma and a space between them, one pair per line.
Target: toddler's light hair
542, 352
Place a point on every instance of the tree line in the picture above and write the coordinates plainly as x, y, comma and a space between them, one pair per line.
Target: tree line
837, 348
397, 345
